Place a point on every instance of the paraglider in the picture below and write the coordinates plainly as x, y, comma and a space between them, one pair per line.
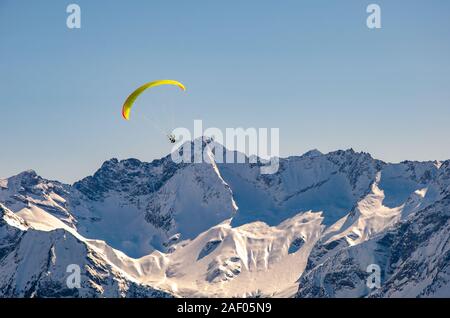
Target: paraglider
126, 109
172, 138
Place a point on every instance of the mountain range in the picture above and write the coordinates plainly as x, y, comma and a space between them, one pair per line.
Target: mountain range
162, 229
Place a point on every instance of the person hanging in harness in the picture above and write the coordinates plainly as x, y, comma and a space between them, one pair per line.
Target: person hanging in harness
172, 138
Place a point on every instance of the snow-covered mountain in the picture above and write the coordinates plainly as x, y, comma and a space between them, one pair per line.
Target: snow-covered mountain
211, 229
34, 262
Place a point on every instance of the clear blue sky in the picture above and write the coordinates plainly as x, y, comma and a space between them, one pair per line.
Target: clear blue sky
312, 68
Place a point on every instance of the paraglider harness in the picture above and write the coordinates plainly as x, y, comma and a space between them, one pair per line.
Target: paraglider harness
171, 138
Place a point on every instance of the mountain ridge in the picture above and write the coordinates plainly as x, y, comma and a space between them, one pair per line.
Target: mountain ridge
221, 229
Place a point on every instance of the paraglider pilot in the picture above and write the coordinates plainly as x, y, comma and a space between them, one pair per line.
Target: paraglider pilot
171, 138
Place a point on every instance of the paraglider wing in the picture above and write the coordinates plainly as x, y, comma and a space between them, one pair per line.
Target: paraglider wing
132, 98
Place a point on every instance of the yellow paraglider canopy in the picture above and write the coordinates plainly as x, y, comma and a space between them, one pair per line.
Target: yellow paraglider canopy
132, 98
